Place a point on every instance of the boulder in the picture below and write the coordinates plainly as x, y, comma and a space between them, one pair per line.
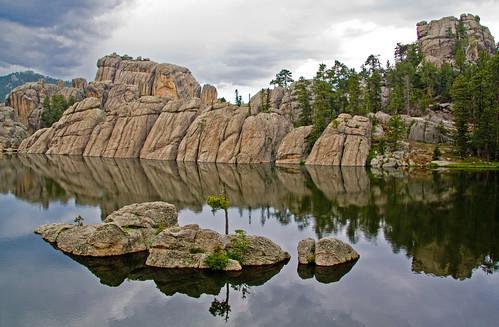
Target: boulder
12, 132
331, 251
345, 142
145, 215
293, 148
261, 251
306, 251
326, 252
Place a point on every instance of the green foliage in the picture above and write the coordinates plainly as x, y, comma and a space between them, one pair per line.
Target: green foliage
265, 99
218, 260
217, 202
462, 101
303, 95
283, 78
222, 100
436, 153
78, 220
54, 107
239, 246
396, 131
475, 94
239, 98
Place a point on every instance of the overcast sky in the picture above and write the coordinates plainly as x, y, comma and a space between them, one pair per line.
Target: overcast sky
228, 43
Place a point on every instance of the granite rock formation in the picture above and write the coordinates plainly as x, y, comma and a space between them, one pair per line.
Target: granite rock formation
152, 227
27, 100
345, 142
12, 132
294, 148
437, 39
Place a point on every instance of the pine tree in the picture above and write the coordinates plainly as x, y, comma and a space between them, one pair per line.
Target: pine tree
303, 95
462, 102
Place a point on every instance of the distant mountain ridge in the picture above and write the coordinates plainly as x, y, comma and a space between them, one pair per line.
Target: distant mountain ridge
13, 80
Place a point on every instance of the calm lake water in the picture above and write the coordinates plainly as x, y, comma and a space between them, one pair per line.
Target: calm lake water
428, 244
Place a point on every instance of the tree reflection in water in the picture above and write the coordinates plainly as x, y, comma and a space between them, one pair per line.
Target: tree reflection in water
447, 223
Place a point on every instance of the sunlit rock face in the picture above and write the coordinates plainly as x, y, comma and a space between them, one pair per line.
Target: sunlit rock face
437, 39
345, 142
27, 100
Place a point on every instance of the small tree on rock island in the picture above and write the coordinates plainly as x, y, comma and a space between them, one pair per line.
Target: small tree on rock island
220, 202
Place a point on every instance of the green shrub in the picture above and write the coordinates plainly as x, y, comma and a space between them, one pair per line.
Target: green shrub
78, 220
239, 245
437, 153
218, 260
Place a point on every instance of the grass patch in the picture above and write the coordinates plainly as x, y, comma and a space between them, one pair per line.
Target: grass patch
196, 250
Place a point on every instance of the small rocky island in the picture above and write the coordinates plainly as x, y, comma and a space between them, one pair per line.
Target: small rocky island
153, 227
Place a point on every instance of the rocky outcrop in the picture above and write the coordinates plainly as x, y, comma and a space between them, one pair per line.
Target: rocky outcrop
345, 142
27, 100
437, 126
293, 148
325, 252
152, 226
437, 39
138, 108
227, 134
12, 132
128, 230
280, 100
163, 80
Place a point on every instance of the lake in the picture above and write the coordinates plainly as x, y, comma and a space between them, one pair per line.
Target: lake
428, 244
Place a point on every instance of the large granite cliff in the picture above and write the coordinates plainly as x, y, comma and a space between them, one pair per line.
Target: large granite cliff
138, 108
438, 38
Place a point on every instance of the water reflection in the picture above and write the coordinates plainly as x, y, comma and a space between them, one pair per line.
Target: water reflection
447, 223
113, 271
325, 275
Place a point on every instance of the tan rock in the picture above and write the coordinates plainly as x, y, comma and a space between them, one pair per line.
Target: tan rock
306, 251
145, 215
71, 133
293, 148
169, 129
209, 94
345, 142
27, 100
261, 136
12, 132
437, 39
331, 252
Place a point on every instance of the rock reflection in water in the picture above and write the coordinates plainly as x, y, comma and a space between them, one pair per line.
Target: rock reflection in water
445, 222
325, 275
113, 271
